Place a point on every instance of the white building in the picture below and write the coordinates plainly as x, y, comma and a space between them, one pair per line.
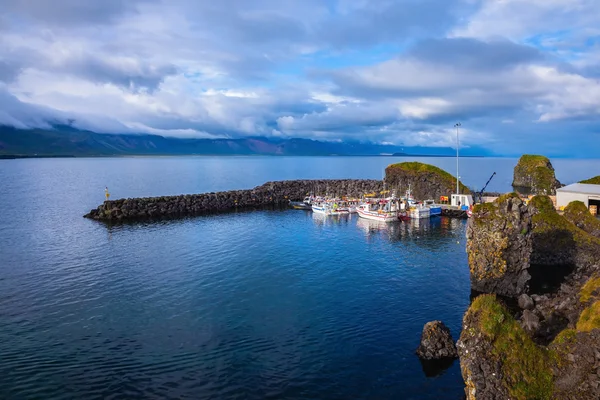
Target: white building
588, 194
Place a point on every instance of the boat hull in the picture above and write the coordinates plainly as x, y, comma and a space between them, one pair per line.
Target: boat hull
419, 213
329, 211
375, 216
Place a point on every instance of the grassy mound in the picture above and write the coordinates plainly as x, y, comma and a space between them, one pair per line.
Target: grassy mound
526, 367
417, 168
592, 181
536, 173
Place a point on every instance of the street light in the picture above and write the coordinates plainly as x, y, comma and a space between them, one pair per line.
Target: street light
457, 125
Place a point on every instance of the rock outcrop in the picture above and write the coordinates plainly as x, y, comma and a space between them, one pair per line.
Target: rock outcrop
499, 246
534, 174
499, 358
436, 342
505, 239
426, 181
271, 194
548, 347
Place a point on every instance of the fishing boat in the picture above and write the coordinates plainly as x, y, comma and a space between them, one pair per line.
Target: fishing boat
435, 210
415, 210
330, 207
384, 210
305, 204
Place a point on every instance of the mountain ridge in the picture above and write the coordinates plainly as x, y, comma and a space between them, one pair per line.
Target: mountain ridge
69, 142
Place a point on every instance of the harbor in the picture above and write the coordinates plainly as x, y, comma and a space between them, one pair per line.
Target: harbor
367, 197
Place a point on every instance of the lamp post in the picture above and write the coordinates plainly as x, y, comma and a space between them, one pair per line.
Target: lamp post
457, 125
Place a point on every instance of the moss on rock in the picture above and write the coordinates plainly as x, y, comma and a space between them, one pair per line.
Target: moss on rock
590, 290
590, 318
592, 181
577, 213
524, 369
535, 174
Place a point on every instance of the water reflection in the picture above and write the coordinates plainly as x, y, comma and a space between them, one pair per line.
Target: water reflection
330, 220
425, 233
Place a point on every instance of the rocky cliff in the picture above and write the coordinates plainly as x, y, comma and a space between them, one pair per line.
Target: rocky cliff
426, 181
549, 346
534, 174
271, 194
509, 241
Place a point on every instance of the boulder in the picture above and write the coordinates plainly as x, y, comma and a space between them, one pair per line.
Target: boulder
426, 181
534, 174
530, 321
526, 302
436, 342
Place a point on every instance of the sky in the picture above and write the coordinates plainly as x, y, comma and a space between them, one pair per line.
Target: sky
519, 75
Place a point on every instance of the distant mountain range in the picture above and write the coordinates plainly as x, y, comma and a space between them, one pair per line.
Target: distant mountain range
67, 141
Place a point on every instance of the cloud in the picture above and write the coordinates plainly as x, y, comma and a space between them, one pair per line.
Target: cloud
70, 12
402, 72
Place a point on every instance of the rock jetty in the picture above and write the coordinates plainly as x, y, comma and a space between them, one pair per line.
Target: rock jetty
547, 346
271, 194
426, 181
534, 174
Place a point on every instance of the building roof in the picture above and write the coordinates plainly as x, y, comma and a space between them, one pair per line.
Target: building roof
583, 188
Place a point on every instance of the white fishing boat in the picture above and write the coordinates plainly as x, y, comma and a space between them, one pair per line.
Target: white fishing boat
330, 207
416, 210
384, 210
419, 211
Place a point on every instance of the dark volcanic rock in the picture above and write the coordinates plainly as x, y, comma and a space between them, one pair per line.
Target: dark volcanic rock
271, 194
436, 342
535, 175
498, 360
507, 239
426, 181
499, 245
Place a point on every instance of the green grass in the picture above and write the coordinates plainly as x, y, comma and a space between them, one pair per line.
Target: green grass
548, 220
592, 181
526, 367
421, 168
589, 318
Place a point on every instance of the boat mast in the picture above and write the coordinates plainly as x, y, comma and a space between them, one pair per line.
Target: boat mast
457, 145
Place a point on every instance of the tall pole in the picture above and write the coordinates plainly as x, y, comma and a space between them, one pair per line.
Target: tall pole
457, 146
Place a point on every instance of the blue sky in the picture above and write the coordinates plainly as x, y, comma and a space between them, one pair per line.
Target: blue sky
520, 75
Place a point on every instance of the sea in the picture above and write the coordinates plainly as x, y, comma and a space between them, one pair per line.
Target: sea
248, 305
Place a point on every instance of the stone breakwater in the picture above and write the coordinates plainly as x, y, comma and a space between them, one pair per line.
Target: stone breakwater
271, 194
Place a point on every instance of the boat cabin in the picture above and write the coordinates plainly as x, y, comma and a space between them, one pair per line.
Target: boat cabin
462, 201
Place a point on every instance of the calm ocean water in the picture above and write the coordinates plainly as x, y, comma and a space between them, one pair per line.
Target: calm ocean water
269, 304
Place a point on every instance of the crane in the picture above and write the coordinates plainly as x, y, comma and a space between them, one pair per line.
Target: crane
479, 194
